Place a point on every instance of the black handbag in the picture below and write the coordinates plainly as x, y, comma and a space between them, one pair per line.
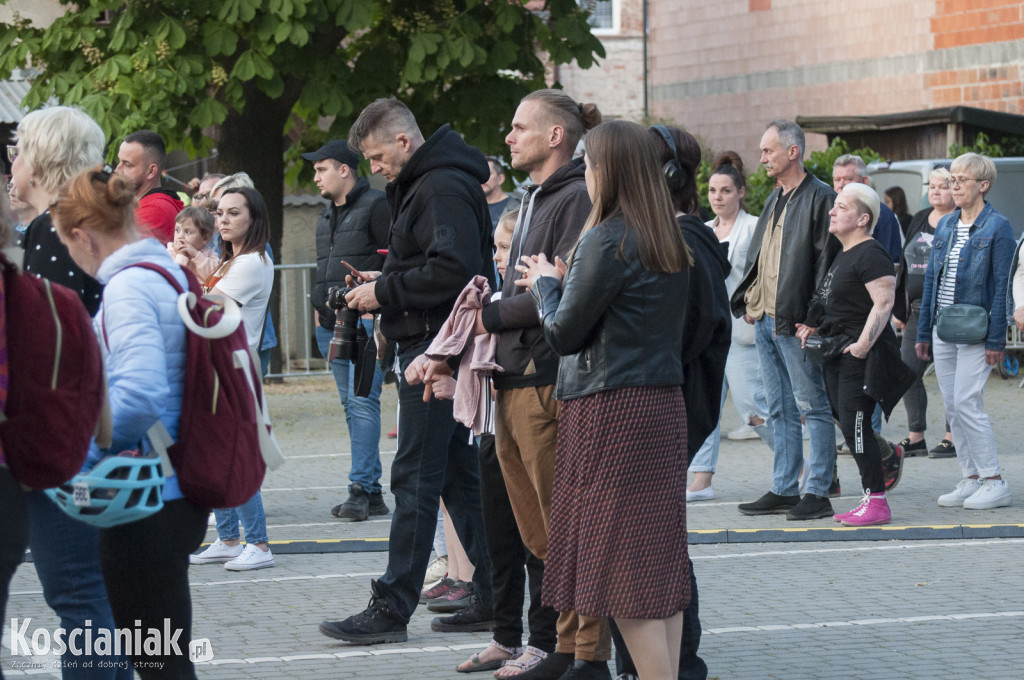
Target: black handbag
962, 324
824, 348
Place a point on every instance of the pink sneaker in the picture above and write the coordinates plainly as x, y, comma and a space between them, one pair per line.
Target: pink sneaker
874, 511
846, 515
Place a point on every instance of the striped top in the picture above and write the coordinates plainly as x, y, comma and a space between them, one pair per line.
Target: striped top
947, 286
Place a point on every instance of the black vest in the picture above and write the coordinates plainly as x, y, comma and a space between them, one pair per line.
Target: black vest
344, 233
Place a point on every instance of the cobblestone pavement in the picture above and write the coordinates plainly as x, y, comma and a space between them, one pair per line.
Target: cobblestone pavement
935, 594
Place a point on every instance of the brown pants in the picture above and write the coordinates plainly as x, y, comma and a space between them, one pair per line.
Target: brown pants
526, 434
585, 637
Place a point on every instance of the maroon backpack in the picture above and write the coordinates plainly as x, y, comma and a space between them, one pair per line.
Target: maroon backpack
217, 456
55, 393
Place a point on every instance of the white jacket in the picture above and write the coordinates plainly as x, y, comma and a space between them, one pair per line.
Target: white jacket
739, 243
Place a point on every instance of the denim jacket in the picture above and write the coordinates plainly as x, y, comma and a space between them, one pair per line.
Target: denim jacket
981, 276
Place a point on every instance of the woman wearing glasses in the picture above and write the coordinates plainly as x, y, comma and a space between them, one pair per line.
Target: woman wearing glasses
969, 265
54, 144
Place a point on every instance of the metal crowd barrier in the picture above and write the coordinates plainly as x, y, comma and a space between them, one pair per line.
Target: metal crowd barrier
295, 323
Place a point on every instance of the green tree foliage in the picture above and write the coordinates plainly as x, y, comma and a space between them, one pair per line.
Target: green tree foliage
258, 78
255, 73
1013, 145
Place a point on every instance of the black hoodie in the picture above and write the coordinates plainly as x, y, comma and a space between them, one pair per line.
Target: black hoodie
551, 217
440, 237
707, 331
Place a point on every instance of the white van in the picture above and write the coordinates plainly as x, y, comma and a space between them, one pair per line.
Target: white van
1006, 195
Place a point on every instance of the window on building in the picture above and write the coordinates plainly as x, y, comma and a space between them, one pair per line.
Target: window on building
603, 15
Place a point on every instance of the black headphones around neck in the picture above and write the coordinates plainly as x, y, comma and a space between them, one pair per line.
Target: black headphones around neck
675, 175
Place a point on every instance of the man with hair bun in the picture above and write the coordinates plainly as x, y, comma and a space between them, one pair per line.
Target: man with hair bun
141, 159
546, 128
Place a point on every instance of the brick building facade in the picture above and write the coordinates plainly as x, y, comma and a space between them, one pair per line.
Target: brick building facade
724, 69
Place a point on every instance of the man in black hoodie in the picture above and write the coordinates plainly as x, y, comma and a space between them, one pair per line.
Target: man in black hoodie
440, 239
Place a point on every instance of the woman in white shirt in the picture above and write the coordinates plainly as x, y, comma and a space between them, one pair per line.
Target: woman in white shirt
734, 228
245, 275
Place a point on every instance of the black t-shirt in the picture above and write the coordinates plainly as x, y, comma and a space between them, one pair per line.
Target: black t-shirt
844, 298
47, 257
916, 253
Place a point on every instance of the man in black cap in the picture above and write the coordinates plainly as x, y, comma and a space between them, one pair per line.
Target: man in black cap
353, 227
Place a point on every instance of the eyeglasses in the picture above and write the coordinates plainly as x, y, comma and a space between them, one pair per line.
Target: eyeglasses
12, 152
957, 181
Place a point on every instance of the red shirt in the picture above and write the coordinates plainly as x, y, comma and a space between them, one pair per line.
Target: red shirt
155, 214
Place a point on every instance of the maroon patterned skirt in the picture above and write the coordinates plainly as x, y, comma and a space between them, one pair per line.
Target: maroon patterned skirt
617, 545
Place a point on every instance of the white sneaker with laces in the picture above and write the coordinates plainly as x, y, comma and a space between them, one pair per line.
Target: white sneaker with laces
742, 432
437, 570
251, 558
965, 488
994, 493
217, 552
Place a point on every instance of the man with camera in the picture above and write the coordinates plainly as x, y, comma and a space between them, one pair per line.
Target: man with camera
440, 239
351, 229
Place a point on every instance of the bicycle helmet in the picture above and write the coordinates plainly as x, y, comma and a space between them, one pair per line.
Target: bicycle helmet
120, 489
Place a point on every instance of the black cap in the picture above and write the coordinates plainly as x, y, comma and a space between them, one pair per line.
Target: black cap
336, 149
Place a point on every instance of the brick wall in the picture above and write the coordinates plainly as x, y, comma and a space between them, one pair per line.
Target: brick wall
724, 69
616, 83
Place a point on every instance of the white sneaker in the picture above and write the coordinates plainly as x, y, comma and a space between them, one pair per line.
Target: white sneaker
705, 494
965, 488
994, 493
251, 558
217, 552
743, 432
437, 570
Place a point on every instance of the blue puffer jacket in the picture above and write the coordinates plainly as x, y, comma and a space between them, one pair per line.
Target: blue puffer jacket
144, 347
981, 275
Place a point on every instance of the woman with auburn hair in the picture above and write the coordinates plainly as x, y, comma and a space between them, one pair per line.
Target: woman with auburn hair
612, 314
145, 561
245, 275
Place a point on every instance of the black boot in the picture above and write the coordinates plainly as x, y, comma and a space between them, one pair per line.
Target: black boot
588, 670
377, 506
356, 508
374, 625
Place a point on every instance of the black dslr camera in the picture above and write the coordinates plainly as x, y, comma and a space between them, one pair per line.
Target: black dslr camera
343, 344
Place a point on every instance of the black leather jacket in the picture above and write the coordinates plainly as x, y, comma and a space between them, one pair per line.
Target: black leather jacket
614, 323
807, 252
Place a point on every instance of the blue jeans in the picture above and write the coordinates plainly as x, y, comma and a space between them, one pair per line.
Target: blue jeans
362, 415
794, 386
253, 519
743, 378
436, 458
67, 559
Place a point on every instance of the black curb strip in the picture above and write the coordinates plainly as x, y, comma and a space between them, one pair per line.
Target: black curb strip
801, 535
712, 537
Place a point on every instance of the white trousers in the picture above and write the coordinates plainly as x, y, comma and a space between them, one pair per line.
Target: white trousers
962, 372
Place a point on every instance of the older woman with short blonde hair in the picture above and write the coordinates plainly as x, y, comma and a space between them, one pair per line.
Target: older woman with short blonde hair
969, 265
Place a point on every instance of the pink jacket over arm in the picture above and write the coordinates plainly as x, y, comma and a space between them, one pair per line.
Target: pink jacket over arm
471, 405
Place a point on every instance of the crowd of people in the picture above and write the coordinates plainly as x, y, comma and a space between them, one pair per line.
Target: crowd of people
556, 351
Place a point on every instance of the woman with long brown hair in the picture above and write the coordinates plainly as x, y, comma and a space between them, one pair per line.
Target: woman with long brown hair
245, 275
612, 314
